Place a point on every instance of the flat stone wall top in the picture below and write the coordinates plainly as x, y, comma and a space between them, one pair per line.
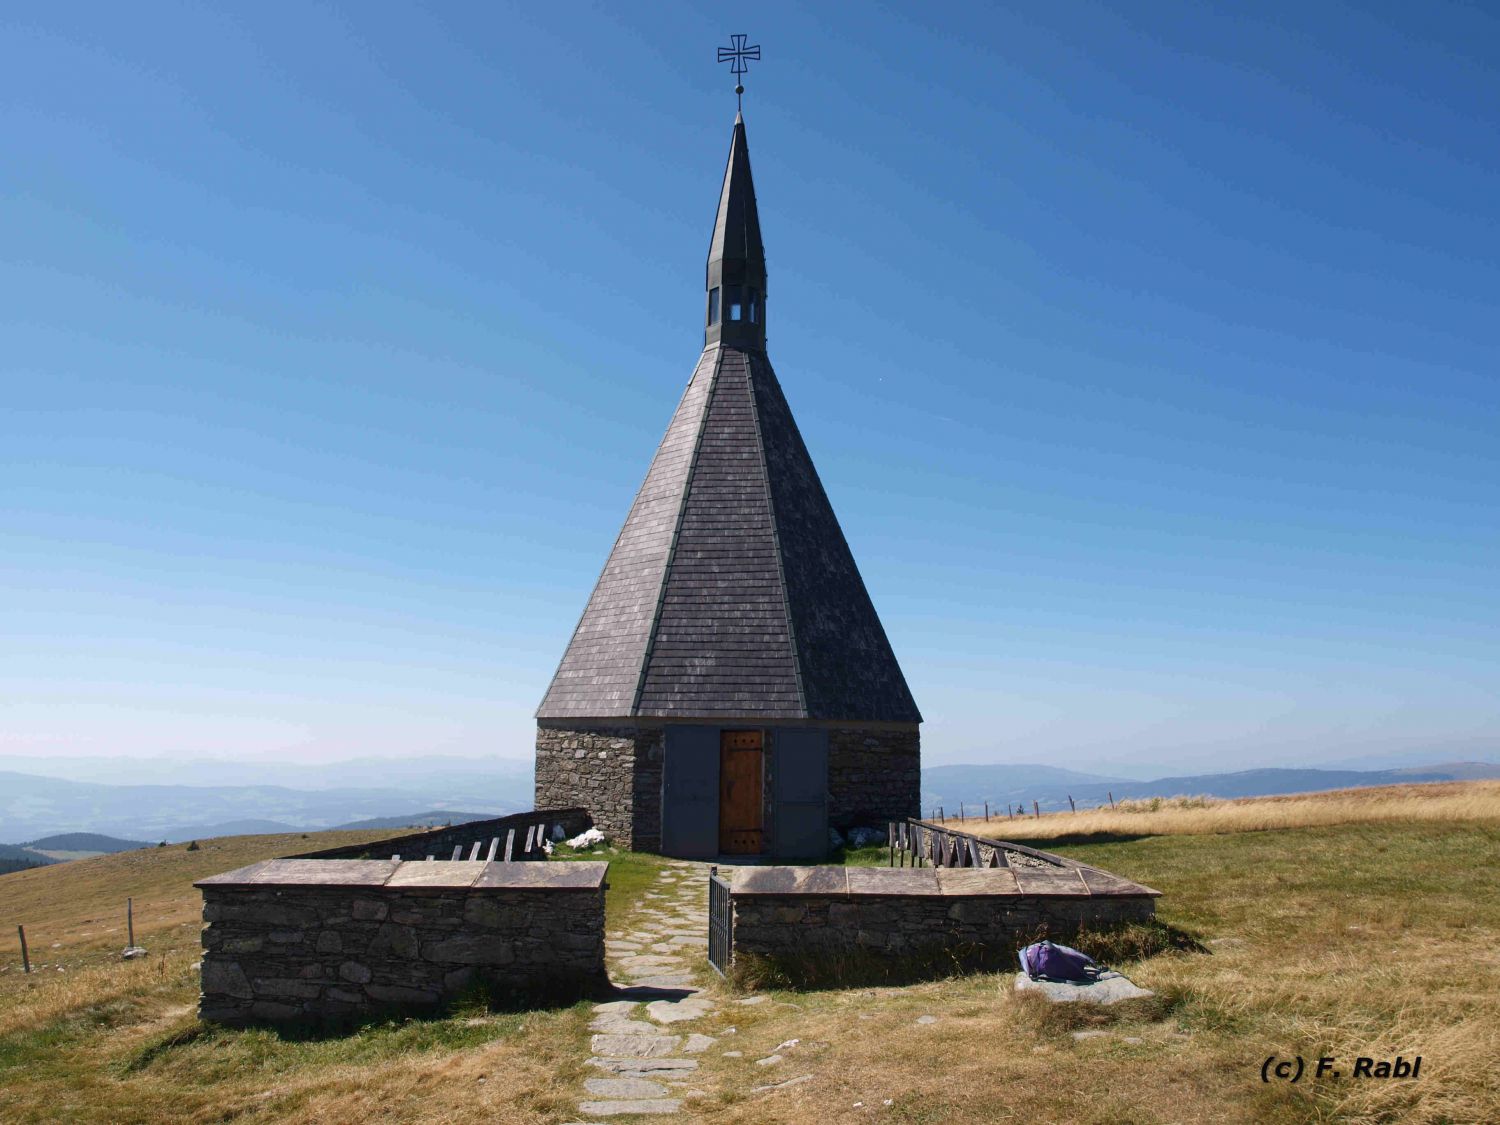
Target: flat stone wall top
970, 882
407, 876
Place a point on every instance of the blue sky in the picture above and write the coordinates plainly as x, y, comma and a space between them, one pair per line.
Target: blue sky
1149, 359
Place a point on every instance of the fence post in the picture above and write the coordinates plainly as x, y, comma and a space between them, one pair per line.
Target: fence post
130, 922
1111, 800
960, 812
1071, 806
1036, 810
986, 812
25, 957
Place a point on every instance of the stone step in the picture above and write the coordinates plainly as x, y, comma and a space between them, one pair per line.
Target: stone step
643, 1068
634, 1046
624, 1088
631, 1105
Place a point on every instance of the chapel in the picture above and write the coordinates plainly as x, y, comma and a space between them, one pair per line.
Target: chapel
729, 689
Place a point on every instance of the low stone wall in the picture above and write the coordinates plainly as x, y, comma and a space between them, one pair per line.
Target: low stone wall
320, 939
795, 911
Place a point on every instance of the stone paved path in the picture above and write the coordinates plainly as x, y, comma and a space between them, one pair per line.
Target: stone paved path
643, 1043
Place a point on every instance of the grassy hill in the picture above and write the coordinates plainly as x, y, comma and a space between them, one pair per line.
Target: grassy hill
1354, 936
16, 857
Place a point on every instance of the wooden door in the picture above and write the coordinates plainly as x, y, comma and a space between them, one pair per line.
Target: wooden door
741, 792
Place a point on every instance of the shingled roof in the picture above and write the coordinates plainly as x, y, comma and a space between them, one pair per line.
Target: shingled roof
731, 591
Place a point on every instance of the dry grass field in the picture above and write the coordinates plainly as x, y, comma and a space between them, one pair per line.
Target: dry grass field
1338, 939
1458, 802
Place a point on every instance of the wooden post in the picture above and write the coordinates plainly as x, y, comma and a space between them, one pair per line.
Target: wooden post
960, 811
429, 859
25, 957
510, 839
1111, 800
986, 812
395, 858
1036, 810
130, 922
458, 851
1071, 806
494, 847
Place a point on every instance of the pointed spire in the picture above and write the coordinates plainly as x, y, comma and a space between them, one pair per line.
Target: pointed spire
736, 282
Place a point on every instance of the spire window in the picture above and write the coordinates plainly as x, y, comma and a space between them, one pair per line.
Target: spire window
713, 306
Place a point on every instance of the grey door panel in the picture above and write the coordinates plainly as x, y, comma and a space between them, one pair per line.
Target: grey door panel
690, 793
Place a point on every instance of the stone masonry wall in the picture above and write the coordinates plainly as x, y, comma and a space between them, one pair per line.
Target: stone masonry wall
613, 771
895, 925
874, 775
278, 953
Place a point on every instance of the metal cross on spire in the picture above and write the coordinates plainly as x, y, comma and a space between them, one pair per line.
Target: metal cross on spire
735, 55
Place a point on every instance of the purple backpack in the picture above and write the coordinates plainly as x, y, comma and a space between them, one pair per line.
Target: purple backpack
1047, 961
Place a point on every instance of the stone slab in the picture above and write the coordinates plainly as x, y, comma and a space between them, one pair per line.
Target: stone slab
1110, 988
640, 1067
630, 1105
1104, 883
436, 873
667, 1011
634, 1046
617, 1007
307, 873
801, 1078
621, 1025
893, 881
790, 881
560, 876
1049, 881
977, 881
624, 1088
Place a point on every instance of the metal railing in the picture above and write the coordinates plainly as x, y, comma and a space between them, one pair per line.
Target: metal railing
720, 922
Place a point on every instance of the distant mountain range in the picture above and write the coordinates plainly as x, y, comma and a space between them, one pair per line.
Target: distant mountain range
434, 819
84, 842
33, 806
1050, 787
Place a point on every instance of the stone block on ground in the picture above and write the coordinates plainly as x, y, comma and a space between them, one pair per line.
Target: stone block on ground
1110, 988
